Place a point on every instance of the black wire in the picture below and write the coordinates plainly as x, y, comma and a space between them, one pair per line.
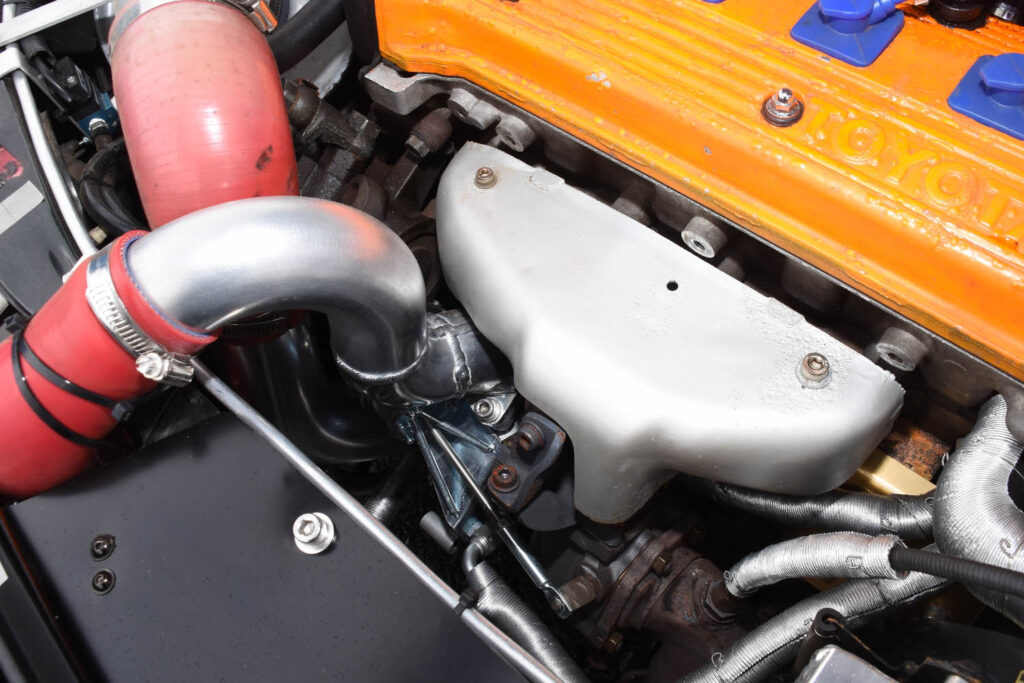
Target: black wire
958, 569
296, 38
98, 195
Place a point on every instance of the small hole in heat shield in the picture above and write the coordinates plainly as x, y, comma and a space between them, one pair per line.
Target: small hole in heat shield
672, 285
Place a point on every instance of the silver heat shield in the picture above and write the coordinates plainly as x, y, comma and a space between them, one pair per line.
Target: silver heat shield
652, 360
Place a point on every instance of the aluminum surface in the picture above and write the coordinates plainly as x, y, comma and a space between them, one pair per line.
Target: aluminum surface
832, 664
653, 361
234, 260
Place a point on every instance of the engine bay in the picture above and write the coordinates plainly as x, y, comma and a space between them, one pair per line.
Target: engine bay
503, 339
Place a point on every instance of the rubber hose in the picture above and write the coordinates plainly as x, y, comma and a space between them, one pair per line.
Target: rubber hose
958, 569
296, 38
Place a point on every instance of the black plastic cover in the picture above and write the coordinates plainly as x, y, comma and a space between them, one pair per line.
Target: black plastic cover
208, 584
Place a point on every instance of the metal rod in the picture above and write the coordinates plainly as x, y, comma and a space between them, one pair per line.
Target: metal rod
44, 17
47, 162
524, 662
528, 561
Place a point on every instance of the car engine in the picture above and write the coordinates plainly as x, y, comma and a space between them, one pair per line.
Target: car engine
458, 340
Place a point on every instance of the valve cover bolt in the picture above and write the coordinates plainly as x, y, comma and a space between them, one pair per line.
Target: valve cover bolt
782, 108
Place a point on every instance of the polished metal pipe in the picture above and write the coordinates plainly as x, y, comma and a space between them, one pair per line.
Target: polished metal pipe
238, 259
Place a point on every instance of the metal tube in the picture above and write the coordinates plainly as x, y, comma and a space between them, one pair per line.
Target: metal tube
41, 146
775, 642
975, 518
838, 555
499, 603
497, 640
906, 516
234, 260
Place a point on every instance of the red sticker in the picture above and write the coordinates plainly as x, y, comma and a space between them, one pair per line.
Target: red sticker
9, 166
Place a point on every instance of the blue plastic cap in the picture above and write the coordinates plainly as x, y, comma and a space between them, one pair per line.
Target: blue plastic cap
845, 9
1005, 72
992, 93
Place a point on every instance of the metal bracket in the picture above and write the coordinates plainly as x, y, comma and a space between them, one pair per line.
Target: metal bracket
44, 17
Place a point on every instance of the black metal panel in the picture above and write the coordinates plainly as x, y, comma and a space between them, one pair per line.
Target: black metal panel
210, 586
34, 251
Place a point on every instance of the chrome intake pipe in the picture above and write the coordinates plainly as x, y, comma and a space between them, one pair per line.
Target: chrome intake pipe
235, 260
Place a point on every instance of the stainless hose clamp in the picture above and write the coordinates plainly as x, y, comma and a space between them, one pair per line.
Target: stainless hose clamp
152, 360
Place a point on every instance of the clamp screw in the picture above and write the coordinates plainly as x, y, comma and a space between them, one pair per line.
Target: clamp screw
486, 177
102, 547
103, 581
313, 532
783, 108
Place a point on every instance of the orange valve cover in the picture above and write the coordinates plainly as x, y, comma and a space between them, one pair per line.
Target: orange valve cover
880, 183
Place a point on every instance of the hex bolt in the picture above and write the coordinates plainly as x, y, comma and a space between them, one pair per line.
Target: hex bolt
101, 547
103, 581
529, 438
313, 532
814, 370
782, 108
71, 80
504, 478
662, 565
485, 409
485, 177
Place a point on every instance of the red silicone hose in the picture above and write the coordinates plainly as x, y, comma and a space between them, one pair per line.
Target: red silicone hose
201, 106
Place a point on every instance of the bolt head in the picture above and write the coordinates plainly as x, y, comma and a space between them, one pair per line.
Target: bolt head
313, 532
845, 9
815, 371
662, 565
102, 546
1004, 72
103, 581
504, 478
71, 80
151, 366
485, 177
484, 408
782, 108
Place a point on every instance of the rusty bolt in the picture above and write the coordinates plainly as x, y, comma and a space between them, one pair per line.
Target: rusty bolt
504, 478
529, 438
662, 565
614, 642
486, 177
782, 108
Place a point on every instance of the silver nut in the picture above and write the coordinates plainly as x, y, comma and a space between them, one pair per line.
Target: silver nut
484, 408
782, 108
313, 532
98, 126
485, 177
814, 371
